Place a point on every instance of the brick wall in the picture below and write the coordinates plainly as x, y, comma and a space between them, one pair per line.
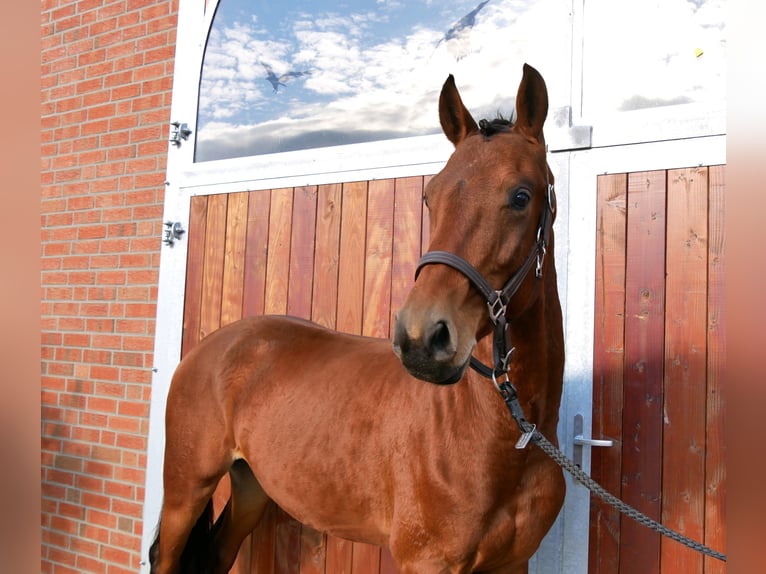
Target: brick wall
106, 85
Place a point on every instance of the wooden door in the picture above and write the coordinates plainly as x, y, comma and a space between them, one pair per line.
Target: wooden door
343, 255
658, 368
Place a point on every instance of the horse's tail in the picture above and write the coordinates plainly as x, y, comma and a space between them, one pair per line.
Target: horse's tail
195, 558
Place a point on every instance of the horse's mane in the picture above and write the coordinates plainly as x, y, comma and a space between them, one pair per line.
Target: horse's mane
499, 124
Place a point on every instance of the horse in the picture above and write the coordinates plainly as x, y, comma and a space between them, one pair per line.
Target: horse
406, 442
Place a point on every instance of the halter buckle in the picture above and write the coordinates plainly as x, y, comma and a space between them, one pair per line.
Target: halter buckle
496, 308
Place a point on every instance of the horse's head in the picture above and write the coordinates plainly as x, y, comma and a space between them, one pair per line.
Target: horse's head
491, 207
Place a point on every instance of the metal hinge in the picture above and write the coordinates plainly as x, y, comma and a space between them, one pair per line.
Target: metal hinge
173, 230
179, 131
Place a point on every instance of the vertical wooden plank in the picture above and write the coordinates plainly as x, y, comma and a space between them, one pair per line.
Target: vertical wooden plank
278, 260
376, 308
366, 559
234, 258
337, 552
194, 267
608, 362
231, 310
313, 551
288, 544
683, 450
256, 252
326, 255
339, 555
263, 547
351, 264
377, 271
642, 398
349, 318
212, 274
301, 277
311, 557
287, 531
408, 206
715, 452
262, 541
212, 287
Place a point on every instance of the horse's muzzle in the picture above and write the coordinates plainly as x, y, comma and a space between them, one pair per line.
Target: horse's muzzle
431, 355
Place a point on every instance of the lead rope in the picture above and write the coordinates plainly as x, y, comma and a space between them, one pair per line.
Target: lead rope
529, 433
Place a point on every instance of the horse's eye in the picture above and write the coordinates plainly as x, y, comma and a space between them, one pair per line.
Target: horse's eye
520, 199
425, 201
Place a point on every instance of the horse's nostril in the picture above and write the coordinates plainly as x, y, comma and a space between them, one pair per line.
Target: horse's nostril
440, 341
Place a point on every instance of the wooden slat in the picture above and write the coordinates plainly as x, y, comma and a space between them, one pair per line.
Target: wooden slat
376, 307
302, 252
195, 258
351, 263
642, 415
366, 559
278, 260
340, 553
234, 258
337, 552
256, 253
408, 216
326, 255
288, 544
377, 271
212, 275
313, 551
715, 451
683, 451
263, 546
608, 362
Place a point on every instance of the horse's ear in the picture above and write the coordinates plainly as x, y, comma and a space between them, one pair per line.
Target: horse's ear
455, 119
531, 104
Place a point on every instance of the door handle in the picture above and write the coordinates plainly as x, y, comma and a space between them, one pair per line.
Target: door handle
580, 441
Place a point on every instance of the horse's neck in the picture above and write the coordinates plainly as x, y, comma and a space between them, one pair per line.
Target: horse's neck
536, 368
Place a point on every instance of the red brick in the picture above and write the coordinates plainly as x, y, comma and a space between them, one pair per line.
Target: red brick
100, 325
104, 111
82, 277
76, 340
123, 122
96, 99
94, 533
85, 247
91, 232
80, 46
133, 408
136, 31
99, 68
96, 127
91, 565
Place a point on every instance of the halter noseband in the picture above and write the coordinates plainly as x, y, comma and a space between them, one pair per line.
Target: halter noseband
498, 300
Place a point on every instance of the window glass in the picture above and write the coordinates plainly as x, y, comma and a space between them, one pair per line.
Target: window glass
639, 55
284, 76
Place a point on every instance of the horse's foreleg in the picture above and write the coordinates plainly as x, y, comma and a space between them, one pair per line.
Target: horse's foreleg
239, 517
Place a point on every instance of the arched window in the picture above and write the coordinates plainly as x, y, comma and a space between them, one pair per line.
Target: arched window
288, 76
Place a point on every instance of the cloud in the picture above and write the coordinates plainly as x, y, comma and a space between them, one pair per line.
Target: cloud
376, 73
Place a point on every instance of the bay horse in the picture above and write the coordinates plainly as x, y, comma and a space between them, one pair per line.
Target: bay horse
408, 448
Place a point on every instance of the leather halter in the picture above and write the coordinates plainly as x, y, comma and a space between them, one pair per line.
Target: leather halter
497, 300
